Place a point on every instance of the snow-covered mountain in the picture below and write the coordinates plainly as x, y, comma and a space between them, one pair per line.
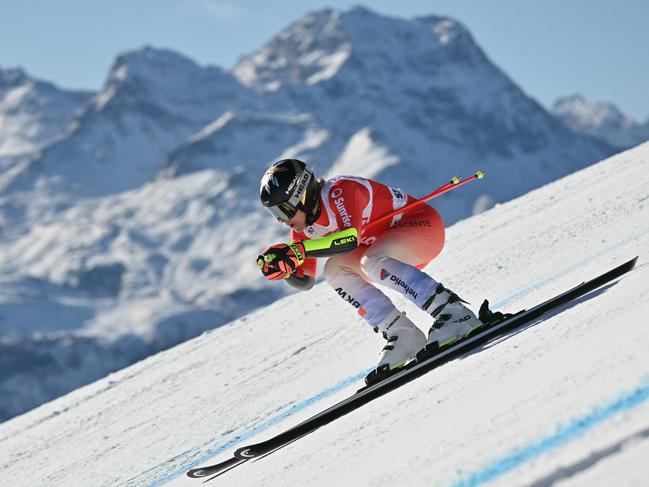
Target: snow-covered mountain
138, 227
33, 113
89, 252
111, 280
561, 401
152, 101
420, 90
602, 120
244, 142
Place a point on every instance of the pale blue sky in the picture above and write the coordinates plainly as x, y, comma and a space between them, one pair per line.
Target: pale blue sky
598, 48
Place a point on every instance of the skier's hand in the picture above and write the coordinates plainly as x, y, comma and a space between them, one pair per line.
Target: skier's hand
280, 260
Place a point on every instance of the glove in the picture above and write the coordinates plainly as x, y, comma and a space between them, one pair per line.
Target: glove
280, 260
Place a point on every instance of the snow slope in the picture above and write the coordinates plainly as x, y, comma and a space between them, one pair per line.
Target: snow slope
564, 400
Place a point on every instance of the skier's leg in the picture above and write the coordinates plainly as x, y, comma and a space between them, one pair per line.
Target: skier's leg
404, 339
395, 259
397, 256
343, 274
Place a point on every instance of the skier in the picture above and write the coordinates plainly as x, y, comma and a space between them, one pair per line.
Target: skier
327, 220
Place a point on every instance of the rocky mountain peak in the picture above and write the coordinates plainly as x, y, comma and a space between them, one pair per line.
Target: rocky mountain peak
317, 46
32, 112
11, 77
590, 113
601, 120
310, 49
170, 82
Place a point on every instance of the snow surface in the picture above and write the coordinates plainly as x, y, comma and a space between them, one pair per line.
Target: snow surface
562, 401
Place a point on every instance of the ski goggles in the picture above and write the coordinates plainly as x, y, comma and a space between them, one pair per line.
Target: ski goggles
282, 211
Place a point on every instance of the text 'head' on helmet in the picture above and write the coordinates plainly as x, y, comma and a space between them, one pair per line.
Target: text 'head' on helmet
287, 186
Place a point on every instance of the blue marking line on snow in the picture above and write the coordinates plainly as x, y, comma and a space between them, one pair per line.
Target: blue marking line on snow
563, 435
239, 438
260, 427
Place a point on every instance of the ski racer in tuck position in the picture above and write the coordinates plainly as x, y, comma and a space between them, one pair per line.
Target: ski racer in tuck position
327, 220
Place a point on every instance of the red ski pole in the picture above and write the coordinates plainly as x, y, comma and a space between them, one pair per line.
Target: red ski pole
452, 184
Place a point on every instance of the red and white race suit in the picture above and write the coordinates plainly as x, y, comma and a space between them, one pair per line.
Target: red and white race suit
391, 253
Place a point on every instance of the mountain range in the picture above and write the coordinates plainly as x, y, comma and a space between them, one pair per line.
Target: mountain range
129, 218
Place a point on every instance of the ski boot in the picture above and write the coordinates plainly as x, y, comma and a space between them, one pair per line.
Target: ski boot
453, 320
404, 341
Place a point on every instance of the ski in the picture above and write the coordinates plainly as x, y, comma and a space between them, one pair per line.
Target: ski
215, 470
428, 359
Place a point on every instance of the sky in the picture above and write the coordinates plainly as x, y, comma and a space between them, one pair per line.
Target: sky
596, 48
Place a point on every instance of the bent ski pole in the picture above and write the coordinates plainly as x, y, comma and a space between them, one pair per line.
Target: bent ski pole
452, 184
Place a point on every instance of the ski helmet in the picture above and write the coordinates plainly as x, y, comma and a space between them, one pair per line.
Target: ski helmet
287, 186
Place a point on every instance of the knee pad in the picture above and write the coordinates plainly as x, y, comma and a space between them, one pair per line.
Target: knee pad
370, 264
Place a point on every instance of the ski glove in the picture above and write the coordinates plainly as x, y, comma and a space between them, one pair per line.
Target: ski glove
280, 260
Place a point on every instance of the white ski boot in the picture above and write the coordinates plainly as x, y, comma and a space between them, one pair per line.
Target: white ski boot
453, 320
404, 341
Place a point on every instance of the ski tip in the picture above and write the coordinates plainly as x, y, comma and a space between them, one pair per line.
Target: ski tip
480, 175
197, 473
455, 180
214, 470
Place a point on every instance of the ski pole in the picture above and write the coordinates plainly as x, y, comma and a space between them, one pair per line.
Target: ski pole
454, 183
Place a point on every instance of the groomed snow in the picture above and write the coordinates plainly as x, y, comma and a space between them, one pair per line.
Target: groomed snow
562, 401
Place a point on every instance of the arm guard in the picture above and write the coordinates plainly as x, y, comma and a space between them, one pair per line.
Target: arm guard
332, 244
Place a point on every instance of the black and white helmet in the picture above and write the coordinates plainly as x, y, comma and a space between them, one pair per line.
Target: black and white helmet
287, 186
